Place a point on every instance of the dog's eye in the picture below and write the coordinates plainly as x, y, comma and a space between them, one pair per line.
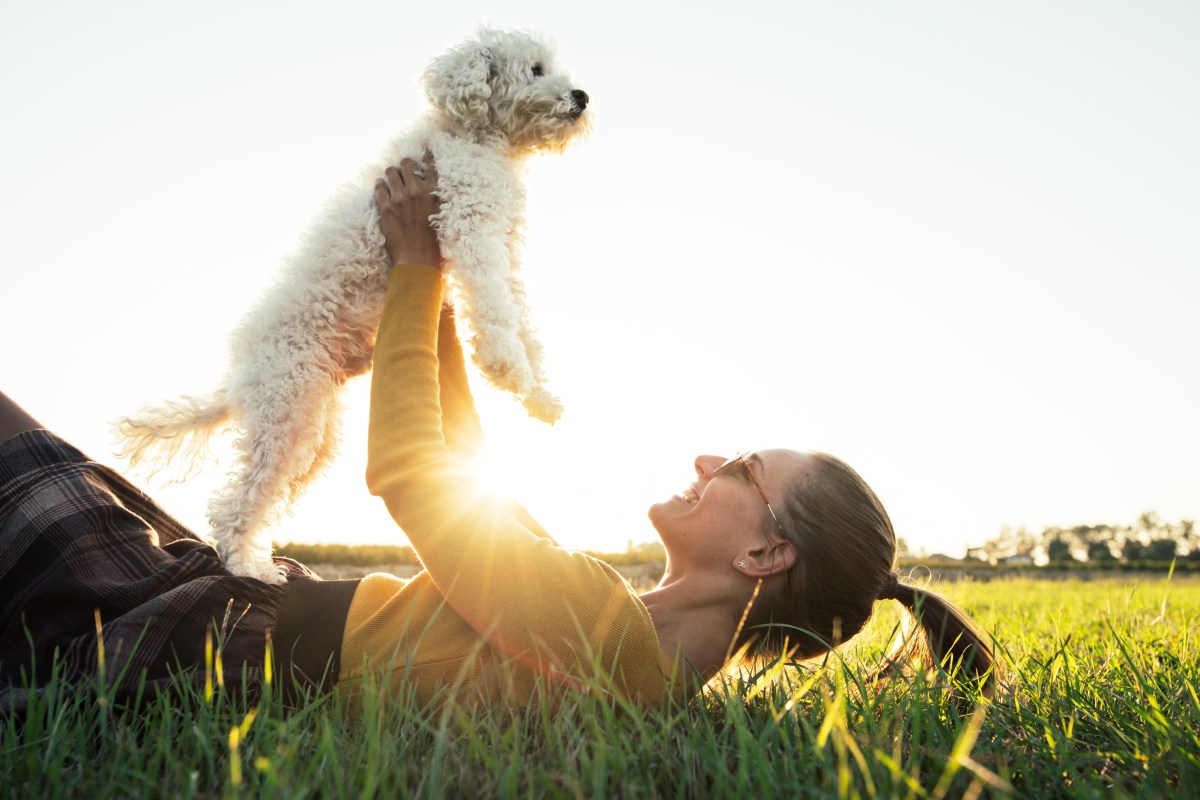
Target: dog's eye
538, 71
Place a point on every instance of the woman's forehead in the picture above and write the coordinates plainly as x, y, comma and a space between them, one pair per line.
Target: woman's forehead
783, 465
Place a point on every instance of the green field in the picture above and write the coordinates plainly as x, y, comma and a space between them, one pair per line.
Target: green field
1102, 703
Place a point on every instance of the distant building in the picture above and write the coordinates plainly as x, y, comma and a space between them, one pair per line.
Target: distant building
1019, 560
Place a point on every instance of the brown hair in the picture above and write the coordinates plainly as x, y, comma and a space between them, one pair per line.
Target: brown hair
845, 561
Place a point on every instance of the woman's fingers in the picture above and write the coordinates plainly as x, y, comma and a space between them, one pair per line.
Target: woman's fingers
382, 195
388, 188
406, 197
418, 175
409, 178
429, 169
395, 181
409, 173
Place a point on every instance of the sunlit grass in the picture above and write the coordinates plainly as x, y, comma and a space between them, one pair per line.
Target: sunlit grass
1103, 702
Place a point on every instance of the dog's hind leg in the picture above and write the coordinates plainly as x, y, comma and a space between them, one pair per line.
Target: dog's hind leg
239, 511
324, 445
281, 445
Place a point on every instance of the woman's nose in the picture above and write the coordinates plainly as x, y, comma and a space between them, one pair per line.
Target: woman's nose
706, 464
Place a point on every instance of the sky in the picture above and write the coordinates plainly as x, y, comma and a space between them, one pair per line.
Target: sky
953, 243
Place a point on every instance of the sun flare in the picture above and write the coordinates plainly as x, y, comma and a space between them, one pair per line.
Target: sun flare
496, 475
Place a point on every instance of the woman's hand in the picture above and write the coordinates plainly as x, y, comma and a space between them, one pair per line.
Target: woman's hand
406, 199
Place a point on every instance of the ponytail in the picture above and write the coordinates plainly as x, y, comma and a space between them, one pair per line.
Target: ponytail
845, 559
945, 640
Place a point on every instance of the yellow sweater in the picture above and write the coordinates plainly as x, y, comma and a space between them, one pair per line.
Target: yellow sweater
499, 603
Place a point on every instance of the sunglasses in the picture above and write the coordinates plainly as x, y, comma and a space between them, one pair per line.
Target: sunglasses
739, 464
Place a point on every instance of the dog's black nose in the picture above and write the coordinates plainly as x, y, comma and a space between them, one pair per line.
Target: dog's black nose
580, 97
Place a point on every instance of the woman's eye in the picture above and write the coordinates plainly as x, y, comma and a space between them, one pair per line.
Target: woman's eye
737, 469
538, 71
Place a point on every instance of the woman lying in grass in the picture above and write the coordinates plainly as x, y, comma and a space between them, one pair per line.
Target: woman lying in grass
783, 549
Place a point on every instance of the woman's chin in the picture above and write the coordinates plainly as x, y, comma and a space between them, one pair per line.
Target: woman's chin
655, 513
660, 514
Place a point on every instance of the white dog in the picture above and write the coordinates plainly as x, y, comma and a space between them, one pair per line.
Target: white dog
496, 100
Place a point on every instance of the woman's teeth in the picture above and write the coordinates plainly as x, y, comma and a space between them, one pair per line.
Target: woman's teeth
689, 495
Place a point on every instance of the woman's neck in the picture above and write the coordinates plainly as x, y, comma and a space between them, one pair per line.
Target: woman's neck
695, 621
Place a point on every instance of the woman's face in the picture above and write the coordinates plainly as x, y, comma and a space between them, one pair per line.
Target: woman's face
722, 512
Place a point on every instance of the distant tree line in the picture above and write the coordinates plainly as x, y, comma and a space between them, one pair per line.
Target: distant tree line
377, 555
1149, 539
634, 555
362, 555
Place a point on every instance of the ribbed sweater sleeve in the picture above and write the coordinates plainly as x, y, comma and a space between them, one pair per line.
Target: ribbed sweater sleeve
460, 420
563, 613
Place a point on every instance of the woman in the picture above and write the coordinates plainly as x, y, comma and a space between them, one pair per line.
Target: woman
788, 549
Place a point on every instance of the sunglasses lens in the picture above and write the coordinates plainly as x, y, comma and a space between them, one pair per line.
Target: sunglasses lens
741, 468
734, 466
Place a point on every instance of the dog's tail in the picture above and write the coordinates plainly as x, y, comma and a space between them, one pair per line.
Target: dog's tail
176, 432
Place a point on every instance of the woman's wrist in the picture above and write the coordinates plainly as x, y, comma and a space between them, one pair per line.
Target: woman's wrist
412, 255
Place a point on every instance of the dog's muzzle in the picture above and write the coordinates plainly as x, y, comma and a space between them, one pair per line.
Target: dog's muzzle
580, 99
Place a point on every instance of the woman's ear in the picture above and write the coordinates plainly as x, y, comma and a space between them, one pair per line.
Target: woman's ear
770, 559
457, 84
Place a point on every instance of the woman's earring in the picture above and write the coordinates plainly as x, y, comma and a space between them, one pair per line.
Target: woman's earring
742, 563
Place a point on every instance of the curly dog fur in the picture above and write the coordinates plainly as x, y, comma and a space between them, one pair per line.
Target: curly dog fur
495, 100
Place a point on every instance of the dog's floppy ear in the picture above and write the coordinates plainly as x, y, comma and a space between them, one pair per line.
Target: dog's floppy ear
457, 83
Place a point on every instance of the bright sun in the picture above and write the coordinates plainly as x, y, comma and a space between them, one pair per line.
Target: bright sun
496, 474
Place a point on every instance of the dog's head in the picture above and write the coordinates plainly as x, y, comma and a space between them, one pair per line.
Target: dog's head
505, 85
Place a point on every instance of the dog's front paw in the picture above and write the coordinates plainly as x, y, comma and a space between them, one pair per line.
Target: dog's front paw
544, 406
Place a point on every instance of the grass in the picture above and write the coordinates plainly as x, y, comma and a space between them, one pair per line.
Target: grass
1103, 703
